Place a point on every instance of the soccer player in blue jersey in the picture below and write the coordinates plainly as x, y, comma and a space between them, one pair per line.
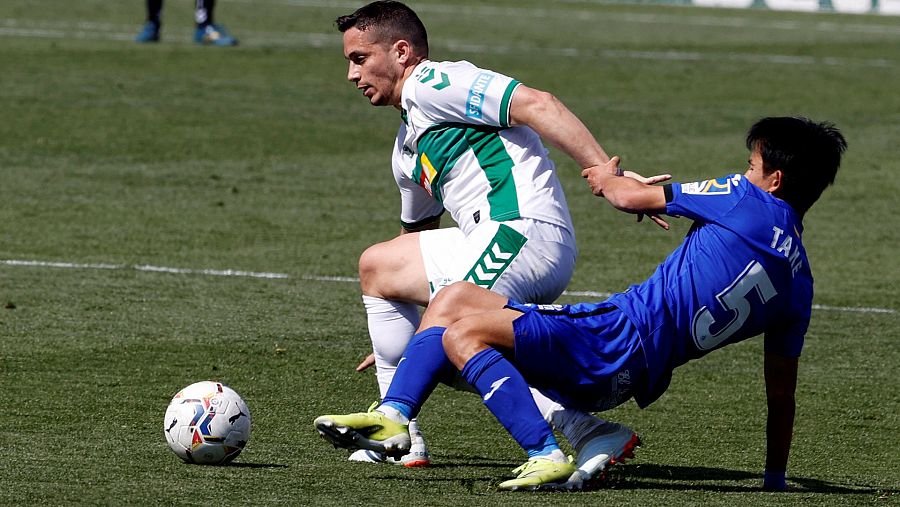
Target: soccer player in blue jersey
741, 271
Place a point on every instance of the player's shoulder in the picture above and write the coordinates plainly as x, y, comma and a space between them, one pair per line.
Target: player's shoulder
724, 185
452, 65
436, 75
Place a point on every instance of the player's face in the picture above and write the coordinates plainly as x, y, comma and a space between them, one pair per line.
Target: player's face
373, 68
756, 175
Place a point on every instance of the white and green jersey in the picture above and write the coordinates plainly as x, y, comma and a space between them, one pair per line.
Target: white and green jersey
456, 151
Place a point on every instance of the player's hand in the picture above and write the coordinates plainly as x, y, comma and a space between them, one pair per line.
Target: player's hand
658, 220
652, 180
774, 481
367, 362
595, 175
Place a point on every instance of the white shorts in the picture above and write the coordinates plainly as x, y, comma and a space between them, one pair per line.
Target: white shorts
526, 260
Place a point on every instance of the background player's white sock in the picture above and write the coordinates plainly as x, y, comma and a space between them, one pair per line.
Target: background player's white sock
573, 424
391, 325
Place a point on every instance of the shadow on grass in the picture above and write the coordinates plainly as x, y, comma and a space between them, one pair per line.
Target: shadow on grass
255, 465
455, 461
657, 477
681, 478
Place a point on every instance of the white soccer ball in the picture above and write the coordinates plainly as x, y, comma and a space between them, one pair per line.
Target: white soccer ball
207, 423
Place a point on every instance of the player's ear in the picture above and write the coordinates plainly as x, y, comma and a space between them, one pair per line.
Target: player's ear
776, 178
403, 51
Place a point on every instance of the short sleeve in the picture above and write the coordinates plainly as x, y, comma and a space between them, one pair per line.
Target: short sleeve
706, 200
417, 205
459, 92
787, 341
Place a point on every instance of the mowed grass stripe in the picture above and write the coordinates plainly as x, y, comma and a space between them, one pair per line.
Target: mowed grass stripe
318, 278
204, 163
257, 39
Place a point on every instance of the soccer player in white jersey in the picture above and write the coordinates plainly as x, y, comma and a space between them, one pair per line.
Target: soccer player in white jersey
469, 143
741, 271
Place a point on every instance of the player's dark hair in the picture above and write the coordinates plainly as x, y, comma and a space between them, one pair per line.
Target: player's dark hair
808, 154
389, 21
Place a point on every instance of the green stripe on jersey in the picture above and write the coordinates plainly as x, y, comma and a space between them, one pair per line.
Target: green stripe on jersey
441, 146
504, 103
498, 255
497, 166
438, 150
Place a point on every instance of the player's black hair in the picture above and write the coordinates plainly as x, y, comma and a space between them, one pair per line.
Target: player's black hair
389, 21
808, 153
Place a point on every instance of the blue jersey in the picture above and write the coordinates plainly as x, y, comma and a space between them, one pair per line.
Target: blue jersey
740, 272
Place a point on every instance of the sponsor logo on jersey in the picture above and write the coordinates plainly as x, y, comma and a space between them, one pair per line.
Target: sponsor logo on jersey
423, 73
476, 95
438, 284
427, 175
428, 74
496, 257
719, 186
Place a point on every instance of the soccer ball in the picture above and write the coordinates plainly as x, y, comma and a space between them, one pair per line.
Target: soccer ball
207, 423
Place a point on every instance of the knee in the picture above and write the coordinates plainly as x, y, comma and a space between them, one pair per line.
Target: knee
370, 266
452, 302
461, 342
457, 291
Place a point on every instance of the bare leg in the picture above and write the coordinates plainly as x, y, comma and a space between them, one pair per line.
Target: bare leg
462, 299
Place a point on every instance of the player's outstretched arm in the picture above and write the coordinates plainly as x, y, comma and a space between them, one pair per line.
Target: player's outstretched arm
781, 383
556, 124
631, 194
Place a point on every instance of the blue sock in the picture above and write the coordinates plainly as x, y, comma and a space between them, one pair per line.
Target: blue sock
506, 394
544, 449
423, 366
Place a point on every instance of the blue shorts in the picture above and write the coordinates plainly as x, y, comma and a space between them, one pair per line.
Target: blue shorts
586, 356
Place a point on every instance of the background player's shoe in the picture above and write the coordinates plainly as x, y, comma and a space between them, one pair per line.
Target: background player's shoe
540, 473
365, 430
214, 35
149, 33
416, 457
609, 444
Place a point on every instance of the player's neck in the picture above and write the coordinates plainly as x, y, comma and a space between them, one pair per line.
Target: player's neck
407, 72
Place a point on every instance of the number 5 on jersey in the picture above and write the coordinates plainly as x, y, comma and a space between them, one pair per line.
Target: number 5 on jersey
734, 300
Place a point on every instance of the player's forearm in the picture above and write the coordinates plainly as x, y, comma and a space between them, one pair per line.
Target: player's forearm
627, 194
779, 432
781, 384
565, 131
557, 125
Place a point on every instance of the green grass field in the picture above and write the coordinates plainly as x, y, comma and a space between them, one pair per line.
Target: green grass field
262, 159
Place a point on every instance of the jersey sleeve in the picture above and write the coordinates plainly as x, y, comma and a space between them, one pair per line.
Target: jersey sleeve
787, 341
707, 200
459, 92
417, 206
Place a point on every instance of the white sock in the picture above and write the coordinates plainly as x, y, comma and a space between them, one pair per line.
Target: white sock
556, 456
393, 414
575, 425
391, 325
415, 434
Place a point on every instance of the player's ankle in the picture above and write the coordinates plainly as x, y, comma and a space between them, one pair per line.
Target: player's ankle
556, 455
394, 411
